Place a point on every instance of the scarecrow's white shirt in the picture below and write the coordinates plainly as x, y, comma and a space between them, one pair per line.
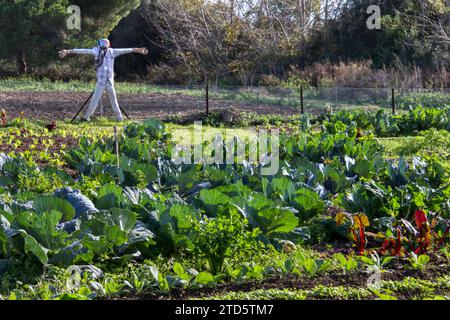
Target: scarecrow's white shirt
105, 73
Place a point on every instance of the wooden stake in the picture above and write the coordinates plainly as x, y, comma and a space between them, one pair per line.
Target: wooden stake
301, 100
116, 146
207, 93
393, 101
82, 107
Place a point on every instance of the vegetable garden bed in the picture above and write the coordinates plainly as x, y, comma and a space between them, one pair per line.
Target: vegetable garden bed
74, 225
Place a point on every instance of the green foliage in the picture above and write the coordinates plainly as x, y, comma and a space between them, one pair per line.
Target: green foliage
221, 220
376, 264
347, 264
41, 19
311, 267
50, 203
276, 220
37, 181
384, 124
223, 238
308, 203
34, 41
418, 262
101, 17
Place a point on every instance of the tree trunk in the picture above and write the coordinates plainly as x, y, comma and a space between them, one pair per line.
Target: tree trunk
325, 25
231, 12
22, 63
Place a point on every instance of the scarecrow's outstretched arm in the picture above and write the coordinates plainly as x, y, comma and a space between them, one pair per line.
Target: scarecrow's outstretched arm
119, 52
64, 53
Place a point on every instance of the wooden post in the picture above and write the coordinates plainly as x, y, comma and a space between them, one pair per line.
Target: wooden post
301, 100
116, 146
207, 93
393, 101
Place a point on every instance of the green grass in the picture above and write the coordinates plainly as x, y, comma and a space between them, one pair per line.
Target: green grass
431, 142
391, 145
28, 84
185, 134
436, 141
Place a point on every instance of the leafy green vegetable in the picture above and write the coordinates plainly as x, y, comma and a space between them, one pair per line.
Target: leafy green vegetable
50, 203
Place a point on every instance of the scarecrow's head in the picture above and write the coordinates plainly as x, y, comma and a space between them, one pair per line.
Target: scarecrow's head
104, 44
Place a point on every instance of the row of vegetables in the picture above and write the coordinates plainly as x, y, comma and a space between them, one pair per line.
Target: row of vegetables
385, 124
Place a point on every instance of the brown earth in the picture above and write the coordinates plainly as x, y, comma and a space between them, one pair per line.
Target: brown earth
354, 279
64, 105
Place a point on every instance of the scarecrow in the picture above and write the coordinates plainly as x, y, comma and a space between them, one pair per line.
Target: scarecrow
104, 65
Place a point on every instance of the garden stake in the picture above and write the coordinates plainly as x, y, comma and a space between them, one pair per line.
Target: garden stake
301, 100
393, 101
82, 107
124, 113
116, 146
207, 93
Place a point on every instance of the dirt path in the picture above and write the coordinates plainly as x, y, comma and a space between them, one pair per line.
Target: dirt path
63, 105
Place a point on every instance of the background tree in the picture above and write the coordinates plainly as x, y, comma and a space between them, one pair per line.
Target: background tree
237, 41
238, 37
133, 31
31, 31
99, 18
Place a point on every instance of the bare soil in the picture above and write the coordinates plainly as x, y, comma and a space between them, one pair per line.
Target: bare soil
355, 280
64, 105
